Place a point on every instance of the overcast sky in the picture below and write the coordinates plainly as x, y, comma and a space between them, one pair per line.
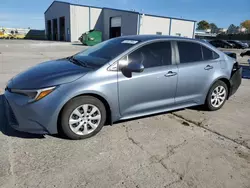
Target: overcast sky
30, 13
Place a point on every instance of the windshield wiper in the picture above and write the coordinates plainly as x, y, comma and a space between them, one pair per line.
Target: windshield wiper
78, 62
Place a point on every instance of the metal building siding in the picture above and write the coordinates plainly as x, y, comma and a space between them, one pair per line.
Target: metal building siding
56, 11
96, 19
185, 28
129, 22
152, 25
79, 21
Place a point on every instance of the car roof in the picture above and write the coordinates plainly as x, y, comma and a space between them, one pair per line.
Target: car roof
153, 37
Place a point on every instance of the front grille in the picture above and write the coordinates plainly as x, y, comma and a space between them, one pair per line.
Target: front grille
10, 114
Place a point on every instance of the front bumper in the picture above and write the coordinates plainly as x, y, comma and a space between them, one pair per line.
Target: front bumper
235, 81
39, 117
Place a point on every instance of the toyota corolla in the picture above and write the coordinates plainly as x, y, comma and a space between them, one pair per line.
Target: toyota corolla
119, 79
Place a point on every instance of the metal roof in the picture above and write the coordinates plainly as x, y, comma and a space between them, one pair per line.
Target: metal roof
117, 10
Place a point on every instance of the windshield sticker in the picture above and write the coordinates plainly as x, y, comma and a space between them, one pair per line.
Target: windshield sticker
130, 42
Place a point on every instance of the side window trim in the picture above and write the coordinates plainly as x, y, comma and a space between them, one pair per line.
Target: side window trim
202, 53
175, 53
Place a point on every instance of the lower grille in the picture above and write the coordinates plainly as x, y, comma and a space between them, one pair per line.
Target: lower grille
10, 114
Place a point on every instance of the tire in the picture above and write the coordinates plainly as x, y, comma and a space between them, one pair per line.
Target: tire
211, 99
82, 129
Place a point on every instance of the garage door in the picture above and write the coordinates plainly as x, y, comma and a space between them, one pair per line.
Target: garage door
116, 22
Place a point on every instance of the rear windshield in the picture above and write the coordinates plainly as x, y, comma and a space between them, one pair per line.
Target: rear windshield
103, 52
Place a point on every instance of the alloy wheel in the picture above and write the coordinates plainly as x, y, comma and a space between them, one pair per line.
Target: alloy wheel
218, 96
85, 119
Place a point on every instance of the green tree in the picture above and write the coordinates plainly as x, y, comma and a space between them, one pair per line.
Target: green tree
246, 24
203, 25
214, 28
232, 29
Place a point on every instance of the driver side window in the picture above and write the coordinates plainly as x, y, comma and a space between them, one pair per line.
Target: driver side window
152, 55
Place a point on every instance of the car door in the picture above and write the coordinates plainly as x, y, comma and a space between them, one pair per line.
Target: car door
152, 90
197, 65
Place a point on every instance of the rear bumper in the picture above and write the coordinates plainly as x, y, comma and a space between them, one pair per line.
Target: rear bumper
235, 81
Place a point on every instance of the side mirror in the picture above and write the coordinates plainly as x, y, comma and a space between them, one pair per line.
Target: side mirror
135, 67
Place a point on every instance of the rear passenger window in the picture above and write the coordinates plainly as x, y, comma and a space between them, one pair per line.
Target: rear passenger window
207, 53
215, 55
189, 52
153, 55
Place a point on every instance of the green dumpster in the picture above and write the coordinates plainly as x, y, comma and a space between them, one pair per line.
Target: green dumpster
91, 37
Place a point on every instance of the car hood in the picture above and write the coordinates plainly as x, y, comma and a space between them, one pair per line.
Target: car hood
48, 74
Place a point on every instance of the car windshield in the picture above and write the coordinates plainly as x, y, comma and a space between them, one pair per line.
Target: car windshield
102, 53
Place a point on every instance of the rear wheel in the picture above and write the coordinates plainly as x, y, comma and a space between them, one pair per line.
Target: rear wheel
217, 96
82, 117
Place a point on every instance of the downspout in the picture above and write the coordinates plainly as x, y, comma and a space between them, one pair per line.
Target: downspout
139, 24
194, 31
89, 18
170, 26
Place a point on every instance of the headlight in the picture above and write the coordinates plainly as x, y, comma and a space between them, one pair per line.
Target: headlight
34, 95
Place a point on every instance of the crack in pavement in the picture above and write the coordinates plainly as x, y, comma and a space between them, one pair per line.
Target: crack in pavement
172, 183
200, 124
135, 142
170, 152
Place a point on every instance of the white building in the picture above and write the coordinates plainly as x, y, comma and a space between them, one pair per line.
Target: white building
67, 21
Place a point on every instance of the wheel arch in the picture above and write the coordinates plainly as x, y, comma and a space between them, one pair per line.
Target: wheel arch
227, 82
223, 79
101, 98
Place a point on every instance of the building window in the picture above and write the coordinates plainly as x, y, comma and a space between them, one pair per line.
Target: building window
178, 34
158, 33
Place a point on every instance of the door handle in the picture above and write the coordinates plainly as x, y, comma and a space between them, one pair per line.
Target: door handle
170, 73
208, 67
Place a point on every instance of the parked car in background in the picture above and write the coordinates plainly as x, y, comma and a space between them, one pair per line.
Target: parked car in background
238, 44
118, 79
221, 44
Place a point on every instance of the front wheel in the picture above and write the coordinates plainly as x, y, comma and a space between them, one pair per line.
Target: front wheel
82, 117
217, 96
